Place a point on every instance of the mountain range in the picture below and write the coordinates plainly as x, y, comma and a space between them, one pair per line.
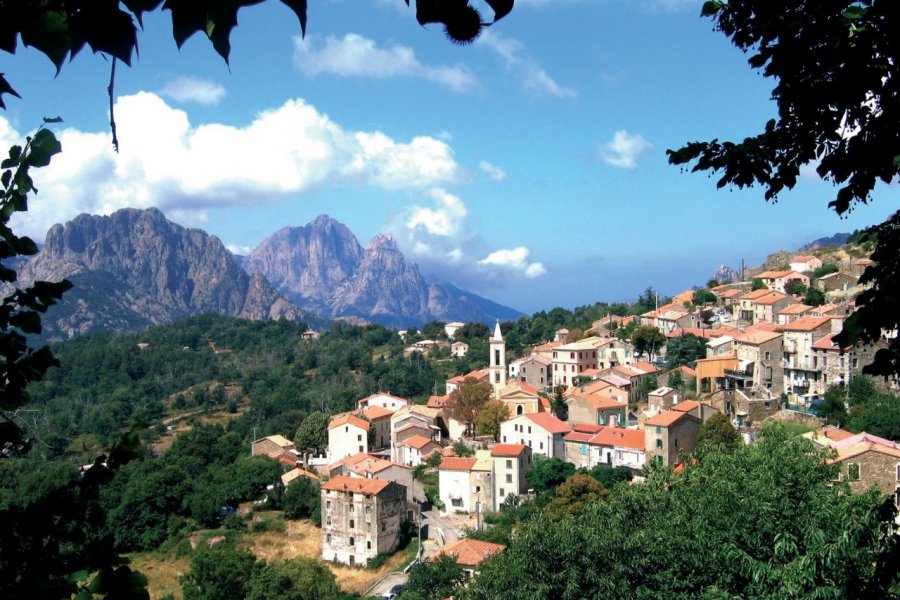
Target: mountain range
135, 268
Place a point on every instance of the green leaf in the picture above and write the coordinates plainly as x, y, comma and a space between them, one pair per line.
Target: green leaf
43, 147
711, 7
501, 8
49, 33
52, 120
188, 17
854, 13
299, 7
117, 36
139, 7
5, 88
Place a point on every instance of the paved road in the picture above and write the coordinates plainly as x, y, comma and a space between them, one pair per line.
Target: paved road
390, 580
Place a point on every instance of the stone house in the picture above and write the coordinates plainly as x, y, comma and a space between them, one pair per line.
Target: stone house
802, 380
760, 357
542, 432
661, 399
791, 313
271, 444
836, 282
669, 434
608, 406
866, 460
361, 518
379, 419
509, 465
532, 370
701, 410
368, 466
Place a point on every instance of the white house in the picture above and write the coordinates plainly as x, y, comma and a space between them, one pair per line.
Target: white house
542, 432
347, 435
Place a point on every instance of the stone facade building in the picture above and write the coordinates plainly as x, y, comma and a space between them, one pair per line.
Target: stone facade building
361, 518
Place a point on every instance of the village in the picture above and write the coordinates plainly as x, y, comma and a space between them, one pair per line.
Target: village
594, 401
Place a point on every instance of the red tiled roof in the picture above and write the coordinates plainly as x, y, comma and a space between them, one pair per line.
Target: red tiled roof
356, 485
806, 324
469, 552
827, 343
440, 401
417, 441
665, 419
834, 433
548, 422
619, 436
578, 436
454, 463
686, 406
348, 418
518, 386
507, 449
376, 412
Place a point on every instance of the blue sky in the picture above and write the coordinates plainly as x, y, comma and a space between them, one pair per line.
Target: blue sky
528, 167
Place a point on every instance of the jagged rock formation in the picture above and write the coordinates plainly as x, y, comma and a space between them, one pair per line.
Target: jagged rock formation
134, 268
725, 274
322, 268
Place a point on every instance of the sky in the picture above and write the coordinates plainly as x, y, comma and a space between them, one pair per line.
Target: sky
528, 167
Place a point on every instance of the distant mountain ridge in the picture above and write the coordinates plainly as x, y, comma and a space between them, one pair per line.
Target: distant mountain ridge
838, 239
135, 268
323, 268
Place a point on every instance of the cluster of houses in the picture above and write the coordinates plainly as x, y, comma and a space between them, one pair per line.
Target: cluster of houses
764, 343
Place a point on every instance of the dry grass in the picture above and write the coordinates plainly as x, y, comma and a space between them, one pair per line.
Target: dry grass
162, 572
300, 539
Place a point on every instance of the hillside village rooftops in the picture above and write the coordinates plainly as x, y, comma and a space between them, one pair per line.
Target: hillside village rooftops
365, 401
644, 367
806, 324
355, 485
348, 419
795, 309
775, 274
867, 446
507, 449
756, 294
664, 309
803, 258
479, 375
444, 401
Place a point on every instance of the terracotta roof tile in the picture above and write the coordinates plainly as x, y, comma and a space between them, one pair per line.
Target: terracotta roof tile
665, 419
454, 463
548, 422
348, 418
355, 485
469, 552
507, 449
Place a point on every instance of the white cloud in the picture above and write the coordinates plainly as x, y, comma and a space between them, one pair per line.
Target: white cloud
238, 249
517, 61
358, 56
445, 220
514, 260
624, 150
167, 162
192, 89
493, 171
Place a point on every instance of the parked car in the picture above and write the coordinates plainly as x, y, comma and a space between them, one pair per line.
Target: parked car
393, 593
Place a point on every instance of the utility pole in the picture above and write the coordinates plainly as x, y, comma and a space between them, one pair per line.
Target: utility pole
253, 440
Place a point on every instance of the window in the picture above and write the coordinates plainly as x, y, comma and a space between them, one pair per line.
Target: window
359, 437
502, 492
529, 429
457, 502
768, 355
383, 527
352, 524
328, 504
328, 521
853, 471
509, 478
368, 510
368, 545
509, 466
352, 508
352, 542
542, 445
328, 538
898, 471
659, 443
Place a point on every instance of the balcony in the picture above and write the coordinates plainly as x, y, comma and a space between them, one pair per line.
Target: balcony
746, 374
